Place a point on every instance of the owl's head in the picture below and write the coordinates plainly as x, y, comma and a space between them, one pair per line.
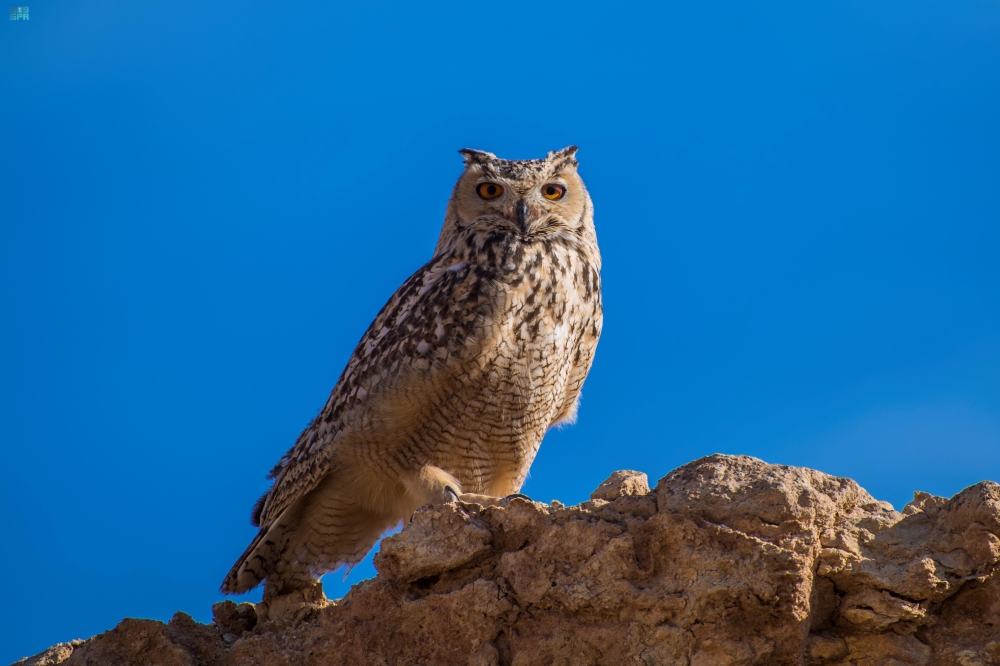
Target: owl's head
531, 199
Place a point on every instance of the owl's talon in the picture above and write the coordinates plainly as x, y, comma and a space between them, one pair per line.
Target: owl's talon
505, 501
448, 489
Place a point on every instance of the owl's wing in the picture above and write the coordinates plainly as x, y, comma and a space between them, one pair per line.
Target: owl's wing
429, 324
582, 360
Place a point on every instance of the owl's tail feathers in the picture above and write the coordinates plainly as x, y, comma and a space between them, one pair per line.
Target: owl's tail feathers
327, 529
263, 558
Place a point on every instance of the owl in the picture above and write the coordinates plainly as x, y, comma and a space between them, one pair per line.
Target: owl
451, 389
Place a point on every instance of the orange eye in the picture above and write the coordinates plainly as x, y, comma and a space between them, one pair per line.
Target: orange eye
553, 191
489, 190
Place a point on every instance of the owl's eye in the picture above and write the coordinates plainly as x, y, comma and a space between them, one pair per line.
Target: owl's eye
553, 191
489, 190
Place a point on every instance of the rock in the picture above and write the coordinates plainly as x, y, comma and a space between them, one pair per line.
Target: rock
729, 561
877, 610
434, 542
181, 642
280, 611
821, 648
621, 484
234, 619
56, 654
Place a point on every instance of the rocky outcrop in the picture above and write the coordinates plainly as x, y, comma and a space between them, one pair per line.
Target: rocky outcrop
728, 561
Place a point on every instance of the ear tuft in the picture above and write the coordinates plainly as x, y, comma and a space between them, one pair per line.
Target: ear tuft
476, 156
567, 154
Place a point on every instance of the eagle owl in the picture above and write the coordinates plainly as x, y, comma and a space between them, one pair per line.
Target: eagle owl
451, 389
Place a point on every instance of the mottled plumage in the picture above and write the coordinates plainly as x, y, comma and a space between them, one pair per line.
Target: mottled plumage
454, 384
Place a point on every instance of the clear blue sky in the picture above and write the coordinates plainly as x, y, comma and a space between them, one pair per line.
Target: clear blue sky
205, 204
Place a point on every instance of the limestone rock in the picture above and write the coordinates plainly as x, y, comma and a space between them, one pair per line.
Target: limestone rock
622, 484
233, 619
729, 561
434, 542
56, 654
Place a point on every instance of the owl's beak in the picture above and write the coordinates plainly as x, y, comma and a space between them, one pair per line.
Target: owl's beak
521, 213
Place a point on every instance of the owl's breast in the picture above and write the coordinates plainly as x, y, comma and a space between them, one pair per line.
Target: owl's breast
481, 364
543, 310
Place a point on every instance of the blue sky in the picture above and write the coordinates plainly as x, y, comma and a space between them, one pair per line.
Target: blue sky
205, 205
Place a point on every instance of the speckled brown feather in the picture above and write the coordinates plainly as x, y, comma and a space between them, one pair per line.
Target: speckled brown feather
456, 381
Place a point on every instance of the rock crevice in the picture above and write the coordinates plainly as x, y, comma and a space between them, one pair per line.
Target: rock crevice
728, 561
